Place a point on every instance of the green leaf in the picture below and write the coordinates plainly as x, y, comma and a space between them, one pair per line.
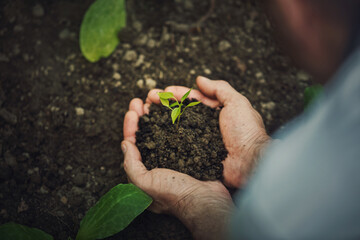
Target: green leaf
99, 28
185, 95
174, 114
14, 231
113, 212
193, 104
311, 93
174, 104
166, 95
164, 102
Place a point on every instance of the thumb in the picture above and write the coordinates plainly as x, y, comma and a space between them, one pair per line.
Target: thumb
133, 165
217, 89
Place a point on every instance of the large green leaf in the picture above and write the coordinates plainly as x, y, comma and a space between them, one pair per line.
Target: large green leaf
14, 231
113, 212
99, 28
311, 93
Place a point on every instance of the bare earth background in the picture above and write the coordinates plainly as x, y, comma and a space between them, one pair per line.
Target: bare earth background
61, 117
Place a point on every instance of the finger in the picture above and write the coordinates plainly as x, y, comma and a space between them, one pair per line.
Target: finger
179, 91
133, 165
231, 173
130, 126
217, 89
152, 96
147, 108
137, 105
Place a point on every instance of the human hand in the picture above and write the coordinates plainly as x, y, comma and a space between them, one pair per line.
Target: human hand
204, 207
241, 126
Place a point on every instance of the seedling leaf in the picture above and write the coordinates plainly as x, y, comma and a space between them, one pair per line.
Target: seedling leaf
185, 95
113, 212
165, 95
16, 231
174, 104
164, 102
311, 93
99, 28
193, 104
174, 114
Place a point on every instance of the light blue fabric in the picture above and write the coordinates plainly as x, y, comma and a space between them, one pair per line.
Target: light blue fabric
307, 185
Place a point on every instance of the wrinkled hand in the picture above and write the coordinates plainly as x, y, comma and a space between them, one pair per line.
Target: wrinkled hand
241, 125
204, 207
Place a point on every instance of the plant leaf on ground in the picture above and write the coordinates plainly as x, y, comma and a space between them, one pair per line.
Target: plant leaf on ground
311, 93
113, 212
99, 28
14, 231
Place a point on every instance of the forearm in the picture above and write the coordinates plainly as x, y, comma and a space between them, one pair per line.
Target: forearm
205, 215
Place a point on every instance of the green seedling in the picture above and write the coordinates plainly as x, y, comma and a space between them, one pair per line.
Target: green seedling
176, 107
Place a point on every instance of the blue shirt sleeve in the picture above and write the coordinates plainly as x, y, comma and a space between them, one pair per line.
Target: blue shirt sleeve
307, 186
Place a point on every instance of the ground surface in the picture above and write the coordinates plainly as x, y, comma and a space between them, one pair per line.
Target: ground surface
61, 117
195, 147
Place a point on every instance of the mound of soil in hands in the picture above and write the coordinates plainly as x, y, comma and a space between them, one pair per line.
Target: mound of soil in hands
196, 148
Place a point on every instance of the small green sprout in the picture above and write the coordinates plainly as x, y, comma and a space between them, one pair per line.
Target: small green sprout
176, 110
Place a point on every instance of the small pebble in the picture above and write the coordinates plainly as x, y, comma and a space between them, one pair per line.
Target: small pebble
140, 83
140, 61
130, 56
79, 111
150, 83
43, 190
22, 206
116, 76
224, 45
151, 43
207, 71
302, 76
141, 40
68, 168
80, 179
38, 10
269, 105
259, 75
64, 34
18, 28
137, 26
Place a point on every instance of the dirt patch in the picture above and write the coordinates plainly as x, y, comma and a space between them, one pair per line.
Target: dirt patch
195, 148
61, 117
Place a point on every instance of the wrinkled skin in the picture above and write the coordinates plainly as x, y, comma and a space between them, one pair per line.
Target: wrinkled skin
176, 193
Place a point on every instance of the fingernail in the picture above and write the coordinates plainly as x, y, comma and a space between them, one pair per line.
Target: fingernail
123, 148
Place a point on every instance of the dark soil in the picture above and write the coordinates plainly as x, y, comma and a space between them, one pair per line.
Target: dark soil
195, 148
61, 117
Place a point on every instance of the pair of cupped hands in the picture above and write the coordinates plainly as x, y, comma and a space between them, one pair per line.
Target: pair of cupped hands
196, 202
